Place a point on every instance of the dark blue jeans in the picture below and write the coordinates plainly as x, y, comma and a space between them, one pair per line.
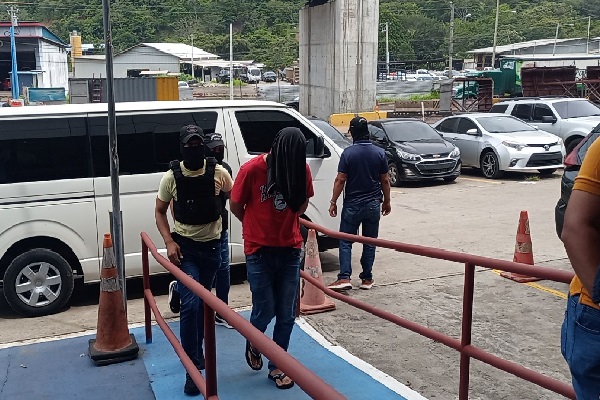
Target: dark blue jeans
580, 346
274, 277
353, 216
223, 278
200, 261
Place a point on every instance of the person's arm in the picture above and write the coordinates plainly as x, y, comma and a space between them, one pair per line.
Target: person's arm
237, 210
162, 223
386, 207
581, 236
338, 188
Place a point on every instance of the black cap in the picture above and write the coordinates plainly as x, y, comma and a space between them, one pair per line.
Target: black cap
190, 132
212, 140
359, 126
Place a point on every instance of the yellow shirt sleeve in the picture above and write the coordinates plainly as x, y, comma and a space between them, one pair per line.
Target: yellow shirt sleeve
588, 179
166, 188
223, 180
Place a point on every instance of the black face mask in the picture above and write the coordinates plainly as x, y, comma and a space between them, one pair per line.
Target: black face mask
193, 157
219, 155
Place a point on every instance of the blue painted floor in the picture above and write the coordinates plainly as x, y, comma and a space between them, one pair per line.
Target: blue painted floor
62, 370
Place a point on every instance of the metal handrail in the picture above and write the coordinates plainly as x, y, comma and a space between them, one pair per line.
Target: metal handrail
312, 385
464, 346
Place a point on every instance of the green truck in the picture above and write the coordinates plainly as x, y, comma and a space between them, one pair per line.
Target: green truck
507, 81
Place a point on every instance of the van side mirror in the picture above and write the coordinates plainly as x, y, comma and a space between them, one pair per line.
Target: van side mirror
473, 131
319, 147
549, 119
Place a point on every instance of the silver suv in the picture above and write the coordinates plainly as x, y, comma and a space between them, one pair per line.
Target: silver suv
571, 119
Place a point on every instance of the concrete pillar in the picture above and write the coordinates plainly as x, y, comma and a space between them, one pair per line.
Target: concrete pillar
338, 57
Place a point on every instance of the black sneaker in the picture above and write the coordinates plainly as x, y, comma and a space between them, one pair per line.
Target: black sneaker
220, 321
190, 387
174, 299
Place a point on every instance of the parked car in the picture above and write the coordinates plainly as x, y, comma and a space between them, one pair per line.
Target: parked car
572, 165
497, 142
223, 76
182, 84
571, 119
295, 104
269, 76
331, 132
414, 150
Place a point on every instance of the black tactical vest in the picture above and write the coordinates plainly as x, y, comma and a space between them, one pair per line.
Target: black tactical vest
196, 202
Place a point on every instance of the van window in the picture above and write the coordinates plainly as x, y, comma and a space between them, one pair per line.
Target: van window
43, 149
145, 142
522, 111
260, 127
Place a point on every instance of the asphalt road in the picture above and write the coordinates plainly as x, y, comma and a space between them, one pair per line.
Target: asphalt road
473, 215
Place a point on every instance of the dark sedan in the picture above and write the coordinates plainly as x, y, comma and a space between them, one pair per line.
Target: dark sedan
572, 164
269, 76
415, 151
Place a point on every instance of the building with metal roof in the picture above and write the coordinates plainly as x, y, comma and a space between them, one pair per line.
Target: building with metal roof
41, 56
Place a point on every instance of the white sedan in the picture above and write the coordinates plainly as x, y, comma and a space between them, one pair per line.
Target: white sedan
498, 142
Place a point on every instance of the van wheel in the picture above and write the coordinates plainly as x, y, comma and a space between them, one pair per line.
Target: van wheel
38, 282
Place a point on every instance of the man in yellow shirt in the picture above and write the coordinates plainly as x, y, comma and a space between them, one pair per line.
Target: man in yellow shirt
194, 185
580, 344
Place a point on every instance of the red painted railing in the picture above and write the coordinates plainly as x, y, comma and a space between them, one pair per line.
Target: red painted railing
314, 386
464, 346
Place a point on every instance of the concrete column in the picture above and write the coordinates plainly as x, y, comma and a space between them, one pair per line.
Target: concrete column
338, 57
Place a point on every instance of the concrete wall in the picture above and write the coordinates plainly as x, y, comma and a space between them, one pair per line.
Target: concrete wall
53, 61
338, 57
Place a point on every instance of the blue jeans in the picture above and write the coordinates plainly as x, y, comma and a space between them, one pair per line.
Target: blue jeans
274, 277
200, 261
353, 216
222, 281
580, 346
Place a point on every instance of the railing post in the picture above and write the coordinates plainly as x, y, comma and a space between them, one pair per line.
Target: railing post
210, 351
467, 324
146, 275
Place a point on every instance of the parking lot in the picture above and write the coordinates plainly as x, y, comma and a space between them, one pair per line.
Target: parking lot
474, 215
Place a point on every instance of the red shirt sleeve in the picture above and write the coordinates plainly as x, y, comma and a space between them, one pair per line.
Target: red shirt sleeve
241, 191
310, 192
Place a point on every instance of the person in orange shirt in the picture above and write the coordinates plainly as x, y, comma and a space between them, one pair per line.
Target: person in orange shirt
580, 336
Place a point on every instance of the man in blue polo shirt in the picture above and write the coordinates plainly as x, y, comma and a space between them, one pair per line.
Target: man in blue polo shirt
363, 171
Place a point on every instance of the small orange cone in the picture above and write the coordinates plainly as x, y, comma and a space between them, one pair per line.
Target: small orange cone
376, 109
113, 343
523, 251
313, 300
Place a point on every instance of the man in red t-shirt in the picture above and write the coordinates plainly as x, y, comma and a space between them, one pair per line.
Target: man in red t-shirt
270, 192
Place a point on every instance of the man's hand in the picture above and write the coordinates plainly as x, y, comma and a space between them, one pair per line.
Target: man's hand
386, 208
174, 253
333, 210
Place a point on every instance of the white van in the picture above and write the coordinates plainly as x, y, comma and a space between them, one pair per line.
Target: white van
55, 192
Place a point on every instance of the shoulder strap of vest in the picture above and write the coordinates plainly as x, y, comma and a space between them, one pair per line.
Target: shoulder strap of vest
176, 168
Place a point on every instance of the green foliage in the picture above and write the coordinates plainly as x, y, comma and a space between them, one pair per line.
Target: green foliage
423, 97
267, 30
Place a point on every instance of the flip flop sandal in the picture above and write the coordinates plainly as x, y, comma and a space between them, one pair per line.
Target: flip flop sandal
280, 377
253, 357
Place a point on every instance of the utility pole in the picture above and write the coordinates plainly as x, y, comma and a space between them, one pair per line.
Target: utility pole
587, 47
555, 38
495, 34
231, 62
387, 51
14, 79
193, 73
451, 45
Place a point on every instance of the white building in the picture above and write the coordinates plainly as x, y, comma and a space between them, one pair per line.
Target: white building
41, 56
144, 57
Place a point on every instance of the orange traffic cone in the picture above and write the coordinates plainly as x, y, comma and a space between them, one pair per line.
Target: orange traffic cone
376, 109
313, 300
523, 251
113, 343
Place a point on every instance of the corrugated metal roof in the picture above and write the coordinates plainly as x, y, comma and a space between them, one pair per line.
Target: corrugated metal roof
521, 45
182, 51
